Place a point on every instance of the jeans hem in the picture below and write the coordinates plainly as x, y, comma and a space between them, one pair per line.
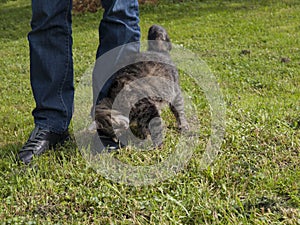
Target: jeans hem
50, 128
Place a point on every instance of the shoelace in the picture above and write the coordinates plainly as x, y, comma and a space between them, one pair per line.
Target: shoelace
34, 141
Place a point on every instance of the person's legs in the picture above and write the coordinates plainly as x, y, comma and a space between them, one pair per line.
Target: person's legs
119, 26
119, 35
51, 75
51, 65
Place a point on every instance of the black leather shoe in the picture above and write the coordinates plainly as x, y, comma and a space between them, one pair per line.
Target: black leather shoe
104, 144
40, 141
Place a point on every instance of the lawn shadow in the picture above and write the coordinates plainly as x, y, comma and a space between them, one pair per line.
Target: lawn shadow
15, 22
197, 9
200, 8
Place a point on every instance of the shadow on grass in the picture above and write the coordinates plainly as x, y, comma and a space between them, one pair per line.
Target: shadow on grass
190, 8
15, 22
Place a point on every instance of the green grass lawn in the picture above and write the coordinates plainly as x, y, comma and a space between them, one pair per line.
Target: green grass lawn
254, 180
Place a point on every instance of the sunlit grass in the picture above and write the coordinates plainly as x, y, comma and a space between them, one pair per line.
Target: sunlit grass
255, 178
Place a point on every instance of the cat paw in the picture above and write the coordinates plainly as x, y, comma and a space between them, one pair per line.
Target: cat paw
120, 123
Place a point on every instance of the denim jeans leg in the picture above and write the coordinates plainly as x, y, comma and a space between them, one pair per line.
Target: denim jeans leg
119, 26
51, 64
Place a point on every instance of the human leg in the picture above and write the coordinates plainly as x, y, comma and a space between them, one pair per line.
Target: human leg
51, 65
119, 35
119, 26
51, 75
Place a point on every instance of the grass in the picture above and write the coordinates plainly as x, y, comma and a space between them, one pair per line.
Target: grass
255, 178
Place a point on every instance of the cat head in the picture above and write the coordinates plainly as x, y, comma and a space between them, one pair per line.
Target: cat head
158, 39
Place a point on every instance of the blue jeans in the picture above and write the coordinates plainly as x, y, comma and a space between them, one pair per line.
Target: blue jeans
51, 63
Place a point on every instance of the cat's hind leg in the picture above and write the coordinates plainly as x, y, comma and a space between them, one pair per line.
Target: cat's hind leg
145, 121
177, 108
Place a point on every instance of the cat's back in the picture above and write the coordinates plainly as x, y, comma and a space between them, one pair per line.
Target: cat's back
142, 66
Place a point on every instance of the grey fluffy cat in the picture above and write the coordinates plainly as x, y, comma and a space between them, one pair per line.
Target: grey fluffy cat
139, 91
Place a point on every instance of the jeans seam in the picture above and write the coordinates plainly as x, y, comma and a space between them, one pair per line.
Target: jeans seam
67, 46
